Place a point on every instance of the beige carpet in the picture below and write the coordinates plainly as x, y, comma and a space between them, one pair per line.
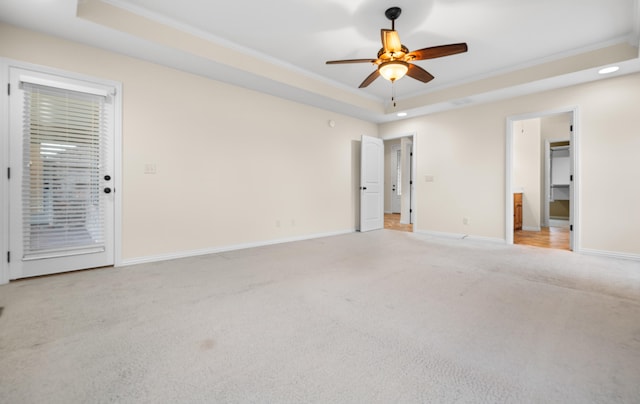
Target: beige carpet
380, 317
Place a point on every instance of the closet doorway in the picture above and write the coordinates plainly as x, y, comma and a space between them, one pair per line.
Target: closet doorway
399, 187
541, 182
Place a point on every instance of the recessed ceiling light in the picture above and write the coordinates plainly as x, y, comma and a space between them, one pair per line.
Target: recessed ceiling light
402, 114
608, 70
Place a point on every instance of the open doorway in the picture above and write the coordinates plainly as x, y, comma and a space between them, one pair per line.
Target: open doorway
541, 201
398, 194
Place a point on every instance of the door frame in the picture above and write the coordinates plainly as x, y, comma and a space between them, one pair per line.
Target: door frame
5, 233
574, 243
406, 208
413, 137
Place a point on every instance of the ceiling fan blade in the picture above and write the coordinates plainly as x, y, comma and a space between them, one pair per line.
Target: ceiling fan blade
419, 73
438, 51
335, 62
370, 79
390, 40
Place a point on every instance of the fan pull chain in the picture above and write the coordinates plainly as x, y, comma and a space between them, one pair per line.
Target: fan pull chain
393, 93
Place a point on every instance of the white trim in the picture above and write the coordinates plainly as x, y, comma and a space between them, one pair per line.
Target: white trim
575, 219
508, 188
217, 250
610, 254
531, 228
526, 65
414, 190
117, 175
4, 162
66, 85
399, 136
234, 46
460, 236
585, 251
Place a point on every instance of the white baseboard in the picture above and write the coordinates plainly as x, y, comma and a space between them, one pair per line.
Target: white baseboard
216, 250
610, 254
460, 236
531, 228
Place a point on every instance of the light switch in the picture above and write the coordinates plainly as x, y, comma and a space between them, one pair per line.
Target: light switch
149, 168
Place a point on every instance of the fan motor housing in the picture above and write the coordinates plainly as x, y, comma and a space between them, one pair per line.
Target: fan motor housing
393, 13
387, 56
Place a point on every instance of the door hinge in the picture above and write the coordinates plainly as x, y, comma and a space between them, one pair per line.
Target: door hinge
571, 128
411, 154
8, 173
571, 177
8, 88
410, 182
570, 227
410, 210
9, 256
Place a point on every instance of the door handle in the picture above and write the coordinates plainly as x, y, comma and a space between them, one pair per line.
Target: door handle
107, 190
363, 188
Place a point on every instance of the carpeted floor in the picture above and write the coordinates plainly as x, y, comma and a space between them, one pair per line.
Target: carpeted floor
375, 317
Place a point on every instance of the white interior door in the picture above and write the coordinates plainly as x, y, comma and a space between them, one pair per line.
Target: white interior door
572, 198
61, 186
371, 184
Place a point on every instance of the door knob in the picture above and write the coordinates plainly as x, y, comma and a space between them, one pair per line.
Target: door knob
107, 177
107, 190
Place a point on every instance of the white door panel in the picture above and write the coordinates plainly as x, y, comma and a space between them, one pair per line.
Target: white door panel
61, 188
371, 184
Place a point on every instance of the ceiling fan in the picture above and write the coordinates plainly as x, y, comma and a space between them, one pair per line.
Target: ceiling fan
394, 59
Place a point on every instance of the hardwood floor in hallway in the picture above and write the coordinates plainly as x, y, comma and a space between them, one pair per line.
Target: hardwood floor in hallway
392, 222
547, 237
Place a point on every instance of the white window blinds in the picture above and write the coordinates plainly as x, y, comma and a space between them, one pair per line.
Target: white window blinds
62, 200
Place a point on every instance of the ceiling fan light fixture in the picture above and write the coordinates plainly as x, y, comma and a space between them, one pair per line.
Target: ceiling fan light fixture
393, 70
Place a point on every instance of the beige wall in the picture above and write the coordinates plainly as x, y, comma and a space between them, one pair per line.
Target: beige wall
464, 150
233, 166
231, 162
526, 170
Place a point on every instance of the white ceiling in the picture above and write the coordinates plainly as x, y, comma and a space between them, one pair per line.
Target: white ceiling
300, 35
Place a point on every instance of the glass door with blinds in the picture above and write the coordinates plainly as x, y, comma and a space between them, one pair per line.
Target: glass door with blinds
61, 185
